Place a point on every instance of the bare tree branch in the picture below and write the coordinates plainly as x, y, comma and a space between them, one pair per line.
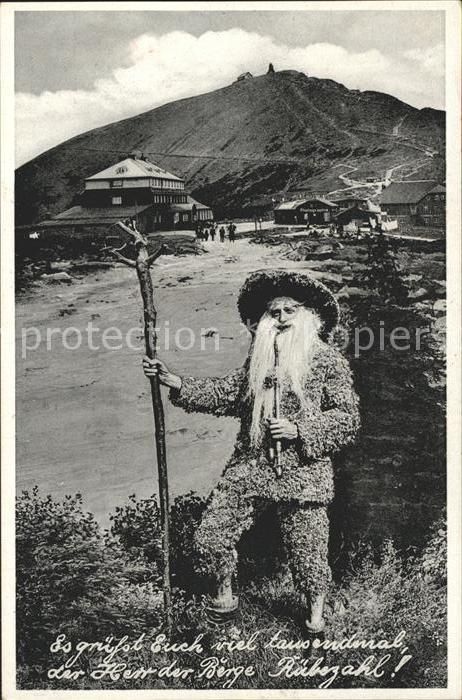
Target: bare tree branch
122, 258
157, 253
124, 245
112, 250
139, 238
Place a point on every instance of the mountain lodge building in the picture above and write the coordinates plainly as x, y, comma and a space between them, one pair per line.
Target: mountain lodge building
420, 201
133, 190
314, 210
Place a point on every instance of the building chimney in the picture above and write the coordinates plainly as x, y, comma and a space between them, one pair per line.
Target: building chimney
270, 69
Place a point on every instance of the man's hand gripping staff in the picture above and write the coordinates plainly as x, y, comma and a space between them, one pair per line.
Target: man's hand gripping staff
275, 449
279, 428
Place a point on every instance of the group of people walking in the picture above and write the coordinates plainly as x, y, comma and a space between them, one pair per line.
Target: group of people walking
207, 230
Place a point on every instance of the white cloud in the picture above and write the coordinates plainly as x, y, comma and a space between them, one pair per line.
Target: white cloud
430, 58
176, 65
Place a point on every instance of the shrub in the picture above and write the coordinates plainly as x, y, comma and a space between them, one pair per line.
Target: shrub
383, 275
71, 579
136, 526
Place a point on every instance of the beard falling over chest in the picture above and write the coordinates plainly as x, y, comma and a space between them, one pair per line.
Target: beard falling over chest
280, 363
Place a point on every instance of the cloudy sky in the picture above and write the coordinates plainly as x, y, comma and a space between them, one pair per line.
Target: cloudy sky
78, 70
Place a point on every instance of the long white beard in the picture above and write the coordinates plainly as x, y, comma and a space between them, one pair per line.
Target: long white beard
296, 347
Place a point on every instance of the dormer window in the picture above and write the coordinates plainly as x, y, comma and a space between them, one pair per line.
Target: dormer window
121, 169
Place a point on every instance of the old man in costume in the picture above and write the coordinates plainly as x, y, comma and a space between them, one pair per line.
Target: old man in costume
296, 403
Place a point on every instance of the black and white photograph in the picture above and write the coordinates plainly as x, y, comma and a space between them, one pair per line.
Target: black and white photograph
231, 349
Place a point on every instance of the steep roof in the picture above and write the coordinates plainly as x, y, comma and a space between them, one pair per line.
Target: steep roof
438, 189
352, 197
323, 200
409, 192
104, 215
362, 202
294, 204
133, 167
290, 205
355, 209
187, 206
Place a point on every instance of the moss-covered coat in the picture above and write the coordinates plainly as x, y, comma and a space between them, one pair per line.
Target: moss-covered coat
330, 423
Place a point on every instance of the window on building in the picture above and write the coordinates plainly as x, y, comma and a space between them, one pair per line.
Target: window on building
173, 184
116, 183
117, 200
121, 169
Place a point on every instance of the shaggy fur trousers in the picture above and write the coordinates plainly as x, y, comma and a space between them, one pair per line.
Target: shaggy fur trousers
304, 528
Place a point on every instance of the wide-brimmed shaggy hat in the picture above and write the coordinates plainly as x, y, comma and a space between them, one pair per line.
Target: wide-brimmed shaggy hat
263, 285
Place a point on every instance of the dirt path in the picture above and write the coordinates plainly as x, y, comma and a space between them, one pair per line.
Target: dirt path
84, 420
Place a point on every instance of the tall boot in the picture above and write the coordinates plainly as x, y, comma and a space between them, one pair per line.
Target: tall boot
224, 605
224, 599
223, 608
315, 622
312, 626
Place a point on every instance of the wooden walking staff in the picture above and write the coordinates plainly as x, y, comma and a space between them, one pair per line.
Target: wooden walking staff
143, 263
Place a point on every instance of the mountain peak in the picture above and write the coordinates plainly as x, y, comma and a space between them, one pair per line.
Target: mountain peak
258, 136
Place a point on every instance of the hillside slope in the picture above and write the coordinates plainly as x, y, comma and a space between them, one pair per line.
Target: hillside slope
250, 139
